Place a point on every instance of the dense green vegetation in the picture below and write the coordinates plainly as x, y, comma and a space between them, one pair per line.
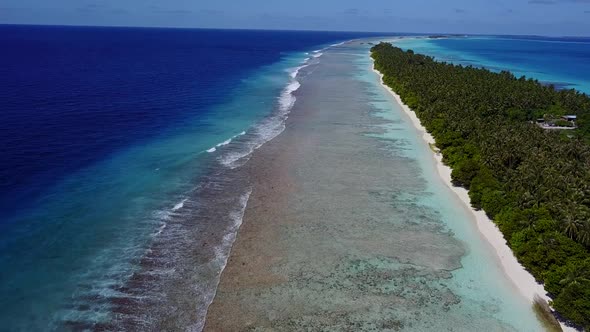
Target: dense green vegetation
534, 183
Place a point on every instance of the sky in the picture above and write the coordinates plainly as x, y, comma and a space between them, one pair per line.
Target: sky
540, 17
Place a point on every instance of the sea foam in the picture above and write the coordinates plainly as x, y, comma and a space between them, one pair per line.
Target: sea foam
222, 252
226, 142
179, 205
269, 127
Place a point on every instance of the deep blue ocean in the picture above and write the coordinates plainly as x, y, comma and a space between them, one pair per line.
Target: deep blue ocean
105, 134
115, 143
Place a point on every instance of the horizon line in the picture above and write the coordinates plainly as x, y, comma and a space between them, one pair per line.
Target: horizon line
288, 30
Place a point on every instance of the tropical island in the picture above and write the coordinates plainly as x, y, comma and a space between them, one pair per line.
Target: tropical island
533, 183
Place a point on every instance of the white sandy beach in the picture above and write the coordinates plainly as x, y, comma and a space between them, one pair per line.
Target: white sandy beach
520, 277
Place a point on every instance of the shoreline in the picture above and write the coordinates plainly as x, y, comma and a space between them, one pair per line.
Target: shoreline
335, 233
522, 280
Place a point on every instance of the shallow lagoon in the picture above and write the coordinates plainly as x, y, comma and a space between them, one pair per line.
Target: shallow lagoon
349, 225
562, 62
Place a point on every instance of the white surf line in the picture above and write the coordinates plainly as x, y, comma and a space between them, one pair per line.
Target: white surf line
226, 142
320, 52
179, 205
516, 273
223, 252
272, 126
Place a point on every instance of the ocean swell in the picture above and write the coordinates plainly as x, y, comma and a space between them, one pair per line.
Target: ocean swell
271, 126
222, 255
177, 277
224, 143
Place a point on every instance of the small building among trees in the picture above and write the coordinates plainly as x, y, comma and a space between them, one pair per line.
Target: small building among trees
571, 118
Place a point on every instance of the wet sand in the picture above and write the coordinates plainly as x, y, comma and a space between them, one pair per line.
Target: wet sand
522, 279
334, 236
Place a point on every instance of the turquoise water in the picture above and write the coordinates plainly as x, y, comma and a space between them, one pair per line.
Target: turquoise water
562, 62
480, 283
134, 235
350, 228
119, 150
83, 260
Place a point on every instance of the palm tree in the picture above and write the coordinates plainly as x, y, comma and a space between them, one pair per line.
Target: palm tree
572, 226
583, 235
576, 276
480, 116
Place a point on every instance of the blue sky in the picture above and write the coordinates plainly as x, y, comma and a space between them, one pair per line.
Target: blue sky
546, 17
